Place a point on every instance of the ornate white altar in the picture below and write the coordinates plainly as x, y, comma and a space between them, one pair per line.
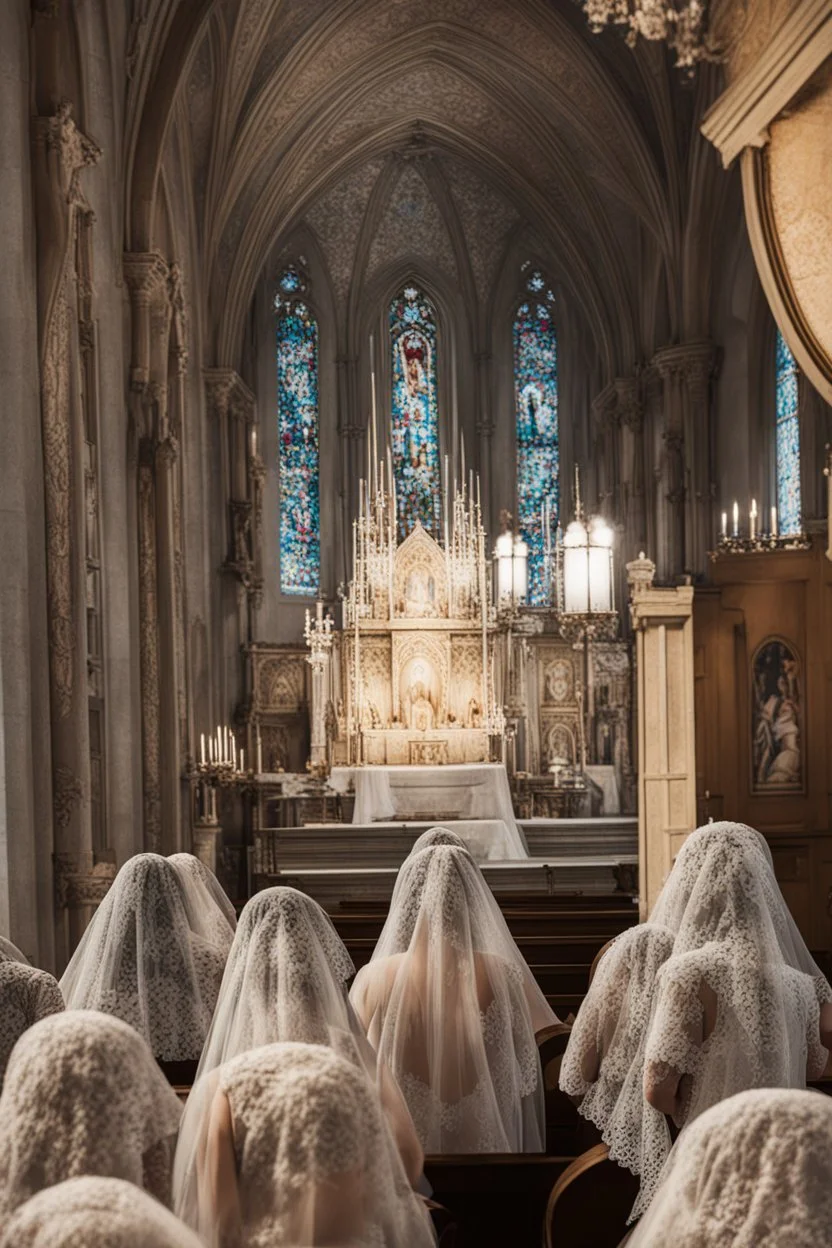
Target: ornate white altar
413, 665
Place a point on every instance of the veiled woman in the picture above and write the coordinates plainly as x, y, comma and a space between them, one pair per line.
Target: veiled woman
26, 996
83, 1095
291, 1148
754, 1171
452, 1010
286, 980
90, 1212
141, 961
730, 1012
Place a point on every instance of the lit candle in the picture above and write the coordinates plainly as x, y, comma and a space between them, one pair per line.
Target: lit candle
242, 760
211, 748
253, 441
752, 519
202, 748
774, 522
725, 524
736, 519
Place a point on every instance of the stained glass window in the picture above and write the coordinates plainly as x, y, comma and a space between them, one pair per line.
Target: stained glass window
536, 407
787, 439
297, 416
415, 414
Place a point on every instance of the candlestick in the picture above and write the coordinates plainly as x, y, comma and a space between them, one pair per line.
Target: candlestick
736, 518
774, 522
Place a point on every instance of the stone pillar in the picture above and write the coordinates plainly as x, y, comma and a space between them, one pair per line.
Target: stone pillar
485, 427
698, 365
61, 152
663, 624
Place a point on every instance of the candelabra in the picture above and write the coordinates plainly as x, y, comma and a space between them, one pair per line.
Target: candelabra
318, 637
682, 24
737, 542
220, 765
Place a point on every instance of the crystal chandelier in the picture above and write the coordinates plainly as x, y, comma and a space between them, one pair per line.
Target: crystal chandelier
681, 23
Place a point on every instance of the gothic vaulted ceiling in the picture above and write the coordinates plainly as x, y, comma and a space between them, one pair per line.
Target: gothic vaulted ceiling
442, 128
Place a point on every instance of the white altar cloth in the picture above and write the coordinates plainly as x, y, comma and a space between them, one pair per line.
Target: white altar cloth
469, 792
603, 775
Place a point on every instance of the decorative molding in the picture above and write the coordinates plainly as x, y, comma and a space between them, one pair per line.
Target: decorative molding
78, 882
741, 116
67, 793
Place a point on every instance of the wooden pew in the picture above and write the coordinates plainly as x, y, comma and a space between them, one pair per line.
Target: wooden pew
590, 1203
497, 1200
567, 1133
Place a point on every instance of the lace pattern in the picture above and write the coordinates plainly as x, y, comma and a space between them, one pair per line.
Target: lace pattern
210, 913
95, 1213
753, 1171
83, 1095
140, 961
26, 996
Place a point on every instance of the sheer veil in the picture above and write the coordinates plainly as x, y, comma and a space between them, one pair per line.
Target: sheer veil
83, 1095
437, 836
611, 1023
285, 980
730, 931
452, 1010
754, 1170
208, 907
140, 961
9, 952
95, 1213
314, 1160
26, 996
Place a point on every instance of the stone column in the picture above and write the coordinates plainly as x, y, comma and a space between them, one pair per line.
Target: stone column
698, 363
318, 660
61, 152
485, 428
663, 625
671, 521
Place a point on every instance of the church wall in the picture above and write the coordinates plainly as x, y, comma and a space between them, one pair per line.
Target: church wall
25, 779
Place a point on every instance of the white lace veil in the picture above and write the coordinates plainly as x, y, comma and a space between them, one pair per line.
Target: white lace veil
91, 1212
9, 952
210, 912
437, 836
315, 1161
613, 1018
26, 996
755, 1171
767, 1032
694, 858
452, 1009
83, 1095
286, 979
140, 961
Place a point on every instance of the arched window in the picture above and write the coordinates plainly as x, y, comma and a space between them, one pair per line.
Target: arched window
787, 440
297, 418
415, 411
536, 414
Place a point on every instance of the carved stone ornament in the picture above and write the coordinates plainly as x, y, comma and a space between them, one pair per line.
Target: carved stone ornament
80, 883
640, 573
67, 792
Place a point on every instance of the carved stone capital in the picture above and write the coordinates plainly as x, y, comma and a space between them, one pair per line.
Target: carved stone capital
61, 138
146, 273
629, 408
80, 883
228, 394
640, 573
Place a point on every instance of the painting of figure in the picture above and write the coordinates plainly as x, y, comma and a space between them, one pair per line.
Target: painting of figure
777, 719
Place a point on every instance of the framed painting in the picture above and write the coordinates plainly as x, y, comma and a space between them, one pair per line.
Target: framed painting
778, 749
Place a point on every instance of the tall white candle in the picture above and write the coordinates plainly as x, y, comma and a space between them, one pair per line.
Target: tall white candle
752, 519
202, 748
725, 524
736, 518
242, 760
774, 522
259, 753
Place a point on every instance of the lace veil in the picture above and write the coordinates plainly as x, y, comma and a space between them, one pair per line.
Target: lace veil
9, 952
766, 1032
95, 1213
314, 1157
140, 961
210, 912
437, 836
613, 1018
754, 1171
26, 996
452, 1009
83, 1095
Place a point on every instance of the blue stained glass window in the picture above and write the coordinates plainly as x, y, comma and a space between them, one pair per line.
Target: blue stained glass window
415, 414
297, 415
536, 406
787, 440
